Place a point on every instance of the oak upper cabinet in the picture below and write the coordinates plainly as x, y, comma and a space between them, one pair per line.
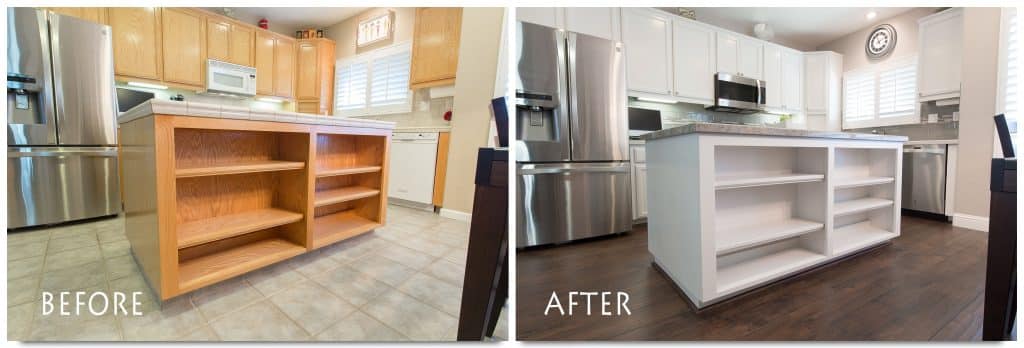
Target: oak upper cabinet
940, 45
739, 55
136, 41
315, 74
274, 59
228, 41
647, 39
602, 22
92, 14
435, 46
693, 47
184, 46
552, 17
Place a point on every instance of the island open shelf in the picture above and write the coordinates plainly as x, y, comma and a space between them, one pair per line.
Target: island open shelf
209, 199
731, 212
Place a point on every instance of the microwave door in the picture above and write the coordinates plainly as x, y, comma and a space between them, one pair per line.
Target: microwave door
597, 94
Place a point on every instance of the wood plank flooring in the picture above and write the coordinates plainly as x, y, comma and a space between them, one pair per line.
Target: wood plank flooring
926, 285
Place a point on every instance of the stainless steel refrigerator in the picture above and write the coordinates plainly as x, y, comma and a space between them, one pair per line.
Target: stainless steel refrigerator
572, 140
61, 119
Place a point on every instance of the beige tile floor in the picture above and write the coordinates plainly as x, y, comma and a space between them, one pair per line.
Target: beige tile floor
400, 282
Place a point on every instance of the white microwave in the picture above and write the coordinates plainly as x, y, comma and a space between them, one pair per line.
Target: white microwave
224, 77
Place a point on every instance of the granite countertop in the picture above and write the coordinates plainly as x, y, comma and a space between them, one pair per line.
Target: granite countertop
934, 142
187, 108
735, 129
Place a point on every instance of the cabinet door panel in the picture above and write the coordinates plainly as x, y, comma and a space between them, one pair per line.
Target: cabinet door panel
264, 63
639, 190
646, 39
792, 81
218, 40
435, 48
941, 45
750, 57
92, 14
240, 50
694, 60
602, 22
815, 83
184, 39
284, 68
727, 53
306, 87
774, 81
136, 41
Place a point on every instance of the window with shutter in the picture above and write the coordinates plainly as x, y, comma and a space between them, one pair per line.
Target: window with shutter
374, 83
1009, 68
881, 95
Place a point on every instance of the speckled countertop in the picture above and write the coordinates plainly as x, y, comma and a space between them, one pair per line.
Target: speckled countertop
187, 108
735, 129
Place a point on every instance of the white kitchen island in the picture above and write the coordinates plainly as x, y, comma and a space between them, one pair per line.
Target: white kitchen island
732, 208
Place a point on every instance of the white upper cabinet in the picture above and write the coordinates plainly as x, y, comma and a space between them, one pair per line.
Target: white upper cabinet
816, 83
739, 55
646, 36
941, 42
546, 16
823, 90
773, 77
601, 22
792, 81
693, 61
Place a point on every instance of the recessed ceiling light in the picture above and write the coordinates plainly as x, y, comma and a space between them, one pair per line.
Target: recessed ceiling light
871, 15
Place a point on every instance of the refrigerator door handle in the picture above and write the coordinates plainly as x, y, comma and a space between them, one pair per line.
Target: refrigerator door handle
60, 152
572, 170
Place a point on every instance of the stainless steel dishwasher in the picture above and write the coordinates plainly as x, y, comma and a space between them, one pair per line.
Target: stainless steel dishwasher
924, 178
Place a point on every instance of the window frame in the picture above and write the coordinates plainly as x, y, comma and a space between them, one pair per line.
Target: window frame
876, 70
370, 58
1001, 78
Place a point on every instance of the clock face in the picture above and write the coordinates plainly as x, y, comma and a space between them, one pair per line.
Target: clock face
881, 41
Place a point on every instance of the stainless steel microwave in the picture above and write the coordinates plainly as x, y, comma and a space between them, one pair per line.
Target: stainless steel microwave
738, 94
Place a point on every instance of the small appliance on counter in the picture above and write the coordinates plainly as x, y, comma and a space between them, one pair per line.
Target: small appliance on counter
61, 119
643, 121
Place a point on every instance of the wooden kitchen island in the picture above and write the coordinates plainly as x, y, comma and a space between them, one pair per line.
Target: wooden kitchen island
732, 208
212, 192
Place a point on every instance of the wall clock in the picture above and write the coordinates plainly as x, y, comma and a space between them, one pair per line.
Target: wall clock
881, 41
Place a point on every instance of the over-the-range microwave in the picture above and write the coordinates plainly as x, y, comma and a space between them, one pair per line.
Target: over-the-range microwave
227, 78
738, 94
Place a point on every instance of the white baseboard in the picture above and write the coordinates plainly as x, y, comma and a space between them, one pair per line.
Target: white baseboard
973, 222
455, 214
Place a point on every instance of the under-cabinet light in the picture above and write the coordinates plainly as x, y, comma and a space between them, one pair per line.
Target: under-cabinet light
146, 85
271, 100
656, 100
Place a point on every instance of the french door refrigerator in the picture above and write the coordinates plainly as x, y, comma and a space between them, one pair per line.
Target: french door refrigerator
572, 141
61, 119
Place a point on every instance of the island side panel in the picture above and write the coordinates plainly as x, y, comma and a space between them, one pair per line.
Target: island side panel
138, 157
167, 204
674, 209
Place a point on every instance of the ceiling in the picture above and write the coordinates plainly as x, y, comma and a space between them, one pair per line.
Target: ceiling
803, 28
288, 19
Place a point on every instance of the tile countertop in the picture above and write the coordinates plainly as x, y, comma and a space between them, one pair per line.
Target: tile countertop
720, 128
187, 108
423, 129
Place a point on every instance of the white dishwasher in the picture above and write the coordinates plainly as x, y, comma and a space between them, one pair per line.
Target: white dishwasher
413, 158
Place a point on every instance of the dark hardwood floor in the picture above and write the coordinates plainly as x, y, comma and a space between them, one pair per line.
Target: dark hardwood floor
926, 285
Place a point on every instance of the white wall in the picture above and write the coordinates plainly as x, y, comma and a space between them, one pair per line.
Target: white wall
851, 46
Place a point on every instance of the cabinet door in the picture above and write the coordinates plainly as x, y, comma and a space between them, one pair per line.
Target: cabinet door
646, 37
816, 83
92, 14
284, 68
728, 50
264, 62
184, 51
750, 56
546, 16
240, 49
136, 41
218, 40
306, 86
601, 22
435, 46
774, 83
694, 61
792, 82
940, 58
639, 190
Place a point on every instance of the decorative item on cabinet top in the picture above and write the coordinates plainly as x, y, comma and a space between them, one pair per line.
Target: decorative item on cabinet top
376, 28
